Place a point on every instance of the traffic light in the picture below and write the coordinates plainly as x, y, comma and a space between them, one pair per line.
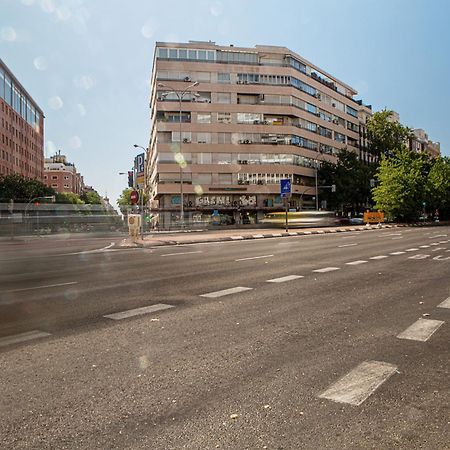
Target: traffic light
130, 178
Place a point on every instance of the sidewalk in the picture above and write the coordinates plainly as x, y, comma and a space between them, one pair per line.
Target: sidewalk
197, 237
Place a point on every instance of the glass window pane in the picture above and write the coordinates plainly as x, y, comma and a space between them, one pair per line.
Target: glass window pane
182, 53
162, 52
173, 53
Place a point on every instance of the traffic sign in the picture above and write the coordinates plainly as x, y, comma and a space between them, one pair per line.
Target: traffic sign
285, 188
134, 197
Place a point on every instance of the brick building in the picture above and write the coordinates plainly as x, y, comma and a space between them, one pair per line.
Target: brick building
62, 175
21, 129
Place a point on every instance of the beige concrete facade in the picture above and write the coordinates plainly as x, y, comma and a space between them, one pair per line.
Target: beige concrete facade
257, 115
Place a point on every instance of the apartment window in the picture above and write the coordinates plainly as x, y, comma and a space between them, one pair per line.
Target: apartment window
339, 137
352, 111
249, 118
221, 158
223, 78
203, 117
202, 178
201, 158
54, 185
204, 77
224, 117
163, 53
165, 157
204, 138
54, 177
311, 108
186, 136
325, 132
66, 185
182, 53
224, 138
311, 127
223, 97
66, 177
225, 178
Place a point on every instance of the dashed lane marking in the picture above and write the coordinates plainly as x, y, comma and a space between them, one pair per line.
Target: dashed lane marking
230, 291
437, 249
346, 245
45, 286
237, 238
292, 233
138, 311
379, 257
437, 235
22, 337
355, 387
397, 253
181, 253
421, 330
286, 278
326, 269
419, 256
424, 246
277, 235
414, 249
257, 236
355, 263
445, 304
254, 257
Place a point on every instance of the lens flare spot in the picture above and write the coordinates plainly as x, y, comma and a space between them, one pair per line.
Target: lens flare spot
40, 63
56, 102
148, 29
216, 9
63, 13
81, 109
85, 82
51, 148
48, 6
75, 142
143, 362
8, 34
28, 2
198, 189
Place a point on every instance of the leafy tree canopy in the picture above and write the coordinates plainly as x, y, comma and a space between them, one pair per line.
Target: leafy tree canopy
21, 189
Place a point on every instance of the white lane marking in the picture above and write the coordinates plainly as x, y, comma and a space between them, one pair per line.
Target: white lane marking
441, 258
236, 238
355, 387
378, 257
277, 235
292, 233
394, 234
424, 246
181, 253
411, 249
442, 242
22, 337
230, 291
434, 243
257, 236
41, 287
346, 245
421, 330
437, 235
86, 252
355, 263
445, 304
320, 232
397, 238
437, 249
253, 257
138, 311
306, 232
326, 269
397, 253
419, 256
283, 279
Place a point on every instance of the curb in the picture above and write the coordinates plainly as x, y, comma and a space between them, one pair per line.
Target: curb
260, 236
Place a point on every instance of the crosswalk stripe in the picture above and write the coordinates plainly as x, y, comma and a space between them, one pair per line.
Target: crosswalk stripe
355, 387
230, 291
138, 311
283, 279
445, 304
421, 330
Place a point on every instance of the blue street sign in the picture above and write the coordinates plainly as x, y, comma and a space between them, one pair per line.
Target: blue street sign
139, 163
285, 187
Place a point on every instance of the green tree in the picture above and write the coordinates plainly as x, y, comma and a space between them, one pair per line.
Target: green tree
124, 201
91, 198
68, 197
385, 135
401, 191
21, 189
438, 187
352, 180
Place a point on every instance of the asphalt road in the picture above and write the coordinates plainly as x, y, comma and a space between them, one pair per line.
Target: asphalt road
316, 352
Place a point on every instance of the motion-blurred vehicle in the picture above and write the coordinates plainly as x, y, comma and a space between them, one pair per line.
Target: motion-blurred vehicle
301, 219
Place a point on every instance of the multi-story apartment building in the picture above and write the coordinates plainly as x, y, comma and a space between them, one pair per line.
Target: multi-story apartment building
21, 129
62, 175
257, 115
419, 142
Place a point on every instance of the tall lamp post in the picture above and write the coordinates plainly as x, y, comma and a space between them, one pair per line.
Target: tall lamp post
180, 95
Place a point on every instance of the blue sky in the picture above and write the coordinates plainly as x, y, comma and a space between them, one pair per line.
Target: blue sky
87, 62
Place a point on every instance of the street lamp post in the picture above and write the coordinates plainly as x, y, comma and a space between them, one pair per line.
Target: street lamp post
180, 95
